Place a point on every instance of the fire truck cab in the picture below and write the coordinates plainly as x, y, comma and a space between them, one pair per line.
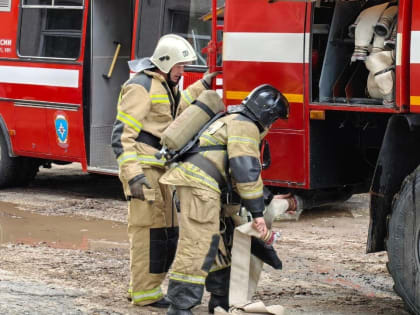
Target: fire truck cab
62, 64
350, 71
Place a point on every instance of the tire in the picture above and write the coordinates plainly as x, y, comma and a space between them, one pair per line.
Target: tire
26, 170
15, 171
403, 244
7, 165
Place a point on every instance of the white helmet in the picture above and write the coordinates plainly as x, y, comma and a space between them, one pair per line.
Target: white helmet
170, 50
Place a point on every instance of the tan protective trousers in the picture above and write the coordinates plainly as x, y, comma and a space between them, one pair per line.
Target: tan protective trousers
199, 222
152, 232
197, 246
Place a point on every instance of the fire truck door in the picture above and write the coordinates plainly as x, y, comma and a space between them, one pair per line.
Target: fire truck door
415, 59
264, 42
42, 76
110, 45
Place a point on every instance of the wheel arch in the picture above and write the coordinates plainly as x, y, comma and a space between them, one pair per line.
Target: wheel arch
5, 133
398, 157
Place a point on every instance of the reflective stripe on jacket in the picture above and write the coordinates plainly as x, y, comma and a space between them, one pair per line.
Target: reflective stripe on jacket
146, 104
242, 139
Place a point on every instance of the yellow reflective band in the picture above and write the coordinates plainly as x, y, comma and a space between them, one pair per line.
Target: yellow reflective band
150, 160
414, 100
206, 180
187, 278
294, 98
120, 97
187, 96
160, 98
127, 119
161, 101
215, 268
251, 194
240, 95
147, 295
127, 156
144, 159
236, 139
209, 139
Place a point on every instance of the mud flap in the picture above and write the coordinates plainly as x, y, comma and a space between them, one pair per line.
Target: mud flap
399, 147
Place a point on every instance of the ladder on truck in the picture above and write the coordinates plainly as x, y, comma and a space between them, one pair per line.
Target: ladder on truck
214, 46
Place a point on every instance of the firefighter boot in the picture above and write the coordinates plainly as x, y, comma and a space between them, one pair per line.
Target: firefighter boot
217, 283
176, 311
183, 296
218, 300
163, 303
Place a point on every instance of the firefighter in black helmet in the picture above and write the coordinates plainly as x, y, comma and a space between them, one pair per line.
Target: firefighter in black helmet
202, 179
265, 105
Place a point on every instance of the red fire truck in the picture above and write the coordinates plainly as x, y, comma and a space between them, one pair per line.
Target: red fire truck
62, 63
341, 137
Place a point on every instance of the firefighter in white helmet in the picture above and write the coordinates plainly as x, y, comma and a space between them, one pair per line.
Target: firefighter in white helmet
148, 103
228, 155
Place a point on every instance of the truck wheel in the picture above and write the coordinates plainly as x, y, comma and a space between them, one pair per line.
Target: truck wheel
15, 171
7, 165
403, 244
26, 170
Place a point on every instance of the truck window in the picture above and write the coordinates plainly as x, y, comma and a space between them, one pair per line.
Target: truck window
182, 17
5, 6
51, 28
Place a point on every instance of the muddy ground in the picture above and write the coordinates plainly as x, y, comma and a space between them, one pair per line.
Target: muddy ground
64, 250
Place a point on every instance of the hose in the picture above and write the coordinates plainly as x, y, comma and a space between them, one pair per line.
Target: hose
384, 25
364, 30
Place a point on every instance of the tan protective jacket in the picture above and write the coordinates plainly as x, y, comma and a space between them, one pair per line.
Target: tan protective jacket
240, 160
146, 104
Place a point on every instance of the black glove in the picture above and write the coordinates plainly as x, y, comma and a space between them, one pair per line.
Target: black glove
208, 79
136, 186
265, 252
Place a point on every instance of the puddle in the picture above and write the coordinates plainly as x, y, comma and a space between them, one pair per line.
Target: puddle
17, 226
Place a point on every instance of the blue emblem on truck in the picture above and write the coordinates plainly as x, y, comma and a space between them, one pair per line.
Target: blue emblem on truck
62, 129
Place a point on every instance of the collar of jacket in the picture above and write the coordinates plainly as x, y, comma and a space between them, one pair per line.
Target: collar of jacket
161, 78
155, 75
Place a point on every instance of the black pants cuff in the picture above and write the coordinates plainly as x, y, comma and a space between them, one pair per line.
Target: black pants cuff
184, 295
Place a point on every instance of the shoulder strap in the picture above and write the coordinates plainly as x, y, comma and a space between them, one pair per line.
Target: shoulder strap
190, 145
197, 149
141, 79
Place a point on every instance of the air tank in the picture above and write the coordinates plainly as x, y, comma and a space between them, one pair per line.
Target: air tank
191, 120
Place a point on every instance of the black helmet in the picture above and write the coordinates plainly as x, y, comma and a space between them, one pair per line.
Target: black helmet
266, 104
